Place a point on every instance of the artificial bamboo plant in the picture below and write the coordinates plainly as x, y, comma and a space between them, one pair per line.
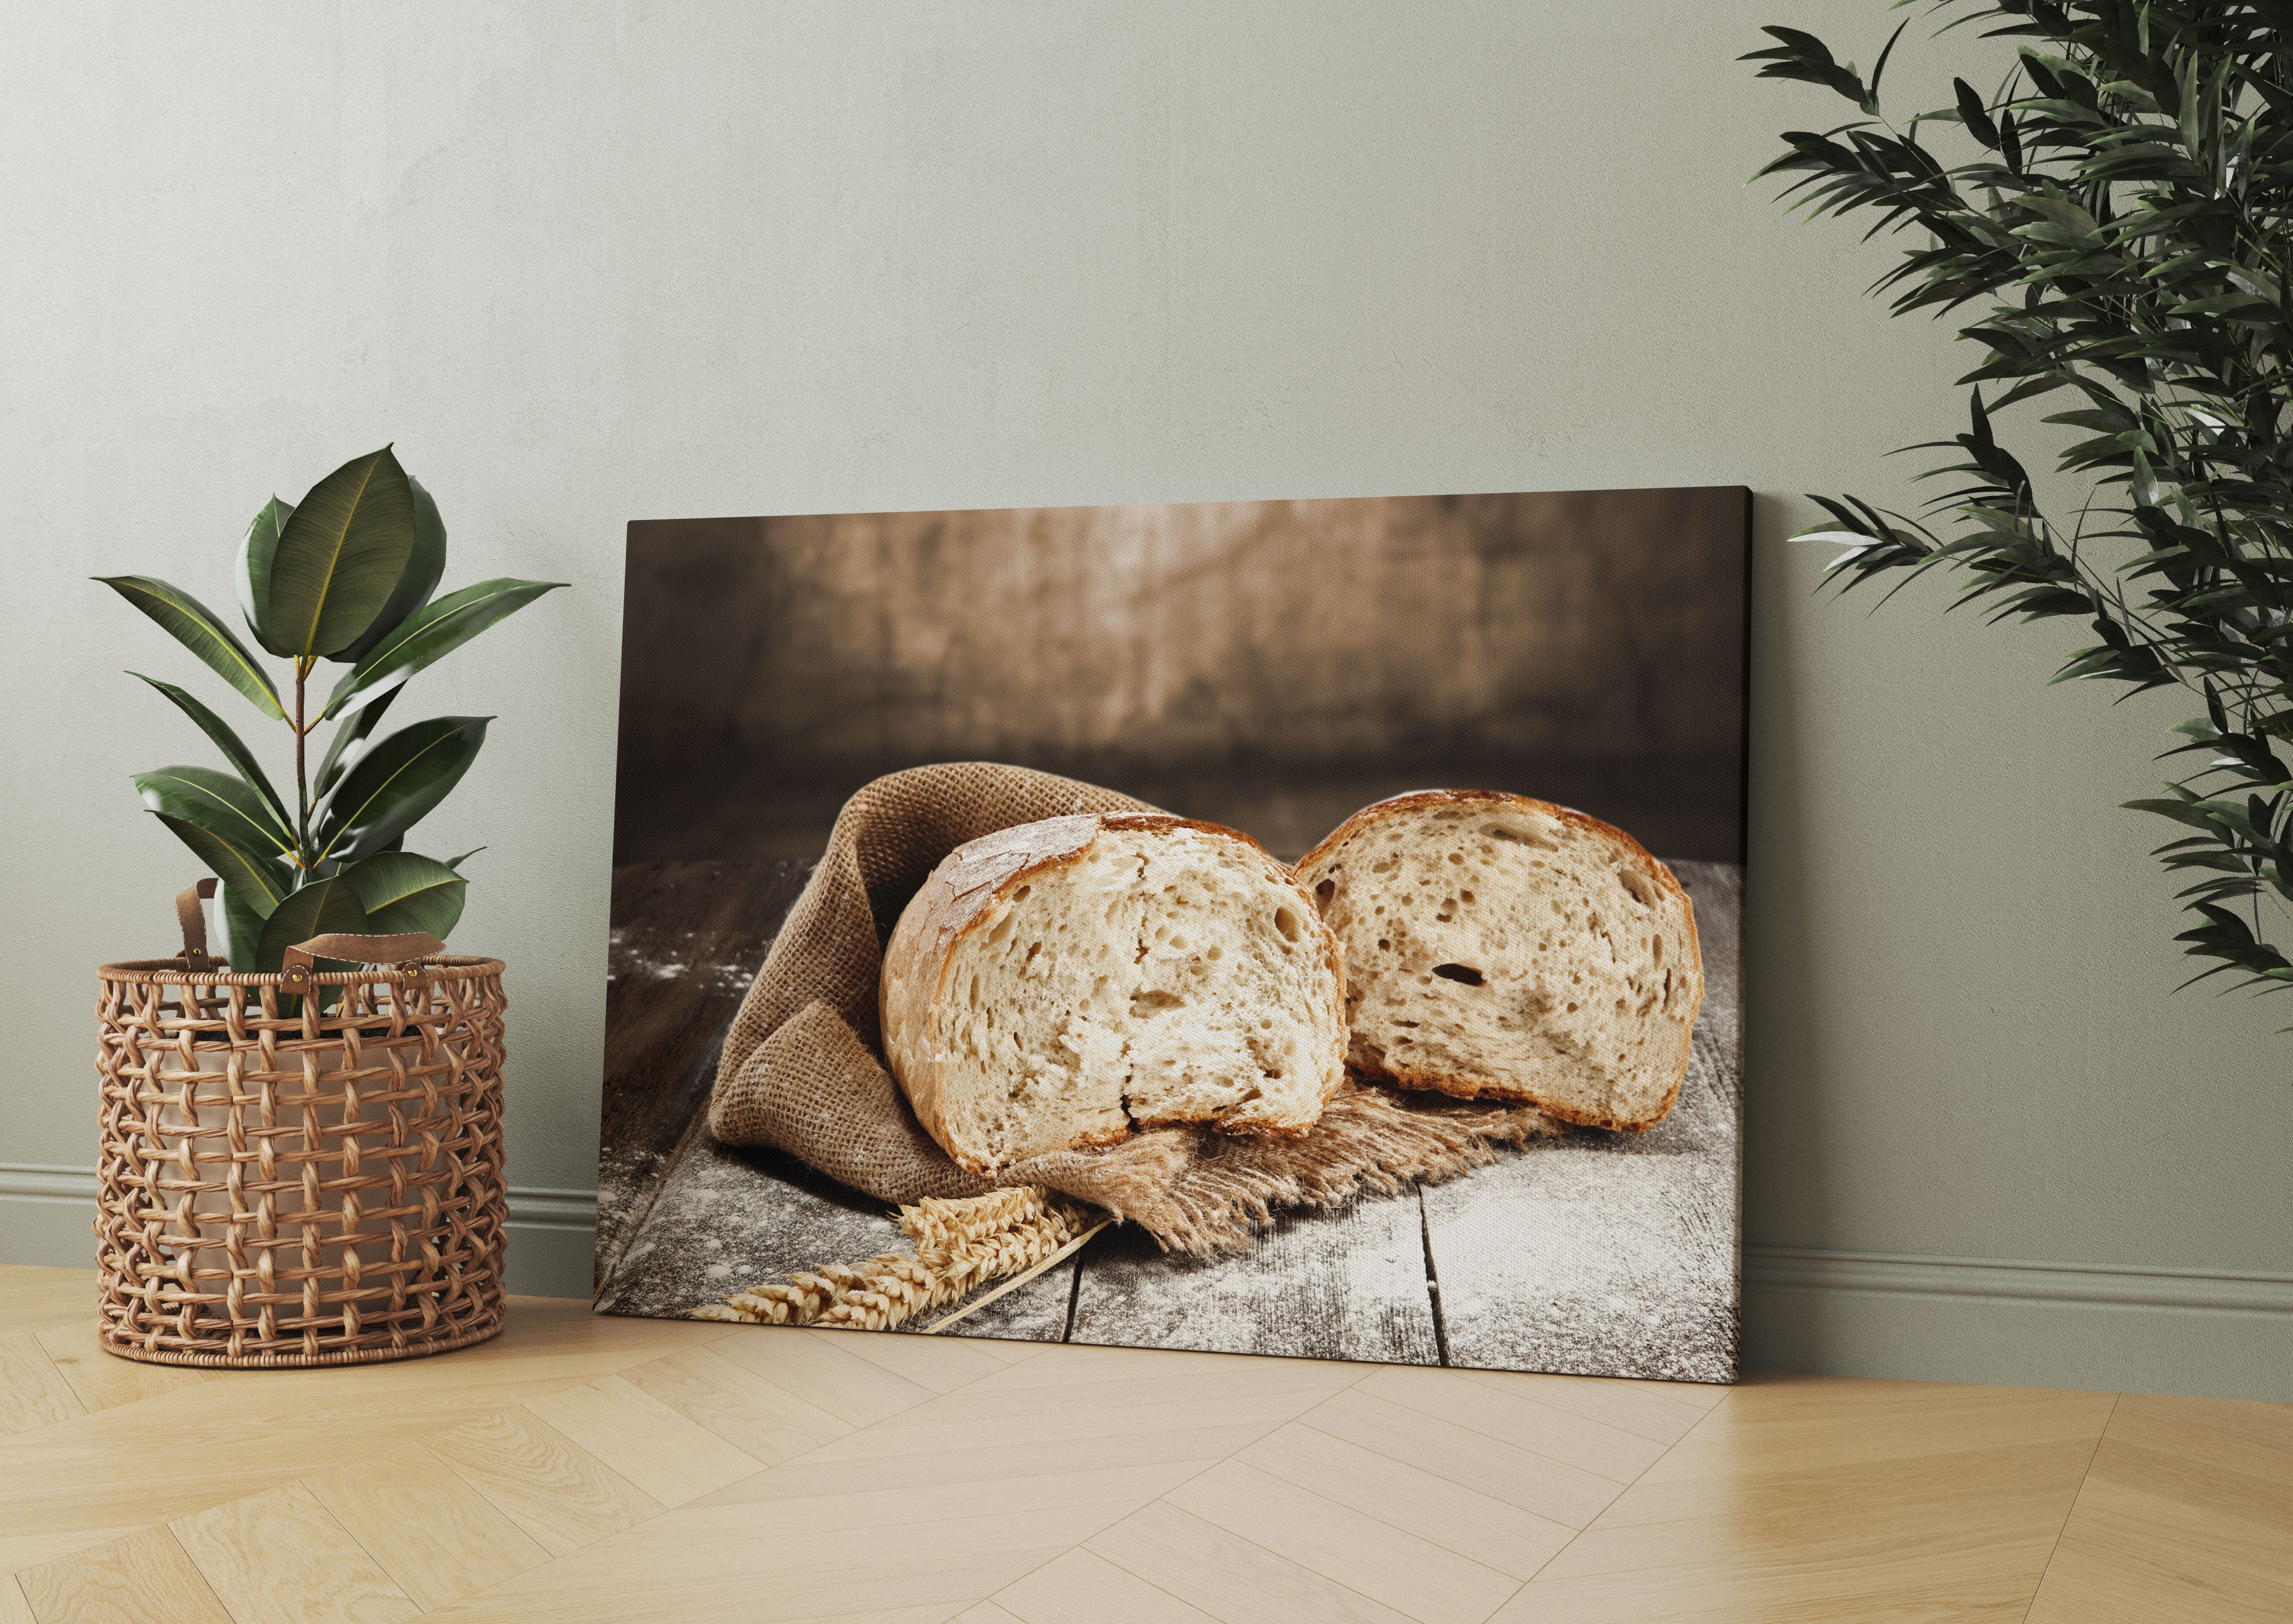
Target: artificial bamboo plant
2116, 216
344, 576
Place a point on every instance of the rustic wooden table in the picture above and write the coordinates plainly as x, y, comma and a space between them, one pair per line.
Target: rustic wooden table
1599, 1254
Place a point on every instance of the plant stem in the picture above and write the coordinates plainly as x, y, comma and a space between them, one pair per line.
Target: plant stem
302, 788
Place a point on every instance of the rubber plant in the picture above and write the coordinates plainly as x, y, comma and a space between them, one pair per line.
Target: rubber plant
2111, 225
346, 576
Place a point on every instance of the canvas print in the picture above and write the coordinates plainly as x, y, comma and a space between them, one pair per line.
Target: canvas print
1305, 927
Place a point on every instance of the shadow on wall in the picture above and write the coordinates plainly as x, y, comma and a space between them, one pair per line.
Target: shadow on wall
1269, 665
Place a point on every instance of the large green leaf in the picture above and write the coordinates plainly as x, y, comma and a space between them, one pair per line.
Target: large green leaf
432, 634
218, 802
320, 908
240, 928
233, 748
396, 784
262, 881
256, 548
340, 556
423, 565
349, 744
403, 891
197, 628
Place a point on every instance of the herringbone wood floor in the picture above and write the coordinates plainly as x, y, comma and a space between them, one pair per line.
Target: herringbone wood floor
581, 1468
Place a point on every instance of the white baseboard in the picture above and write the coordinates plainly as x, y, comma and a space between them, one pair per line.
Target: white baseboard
2122, 1328
1815, 1268
2215, 1333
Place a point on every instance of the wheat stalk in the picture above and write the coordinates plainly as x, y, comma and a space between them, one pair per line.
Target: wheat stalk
960, 1246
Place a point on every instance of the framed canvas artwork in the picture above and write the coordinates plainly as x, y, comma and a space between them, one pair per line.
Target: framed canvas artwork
1305, 927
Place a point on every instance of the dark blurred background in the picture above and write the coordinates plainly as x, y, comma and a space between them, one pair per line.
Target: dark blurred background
1269, 665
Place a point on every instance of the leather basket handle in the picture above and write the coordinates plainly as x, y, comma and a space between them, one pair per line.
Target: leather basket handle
193, 920
295, 965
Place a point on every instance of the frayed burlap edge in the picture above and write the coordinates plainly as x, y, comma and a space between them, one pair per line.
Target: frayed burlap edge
1196, 1190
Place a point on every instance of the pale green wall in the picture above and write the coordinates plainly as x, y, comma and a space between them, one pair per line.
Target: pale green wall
588, 263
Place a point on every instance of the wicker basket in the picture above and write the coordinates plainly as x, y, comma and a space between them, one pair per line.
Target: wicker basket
293, 1176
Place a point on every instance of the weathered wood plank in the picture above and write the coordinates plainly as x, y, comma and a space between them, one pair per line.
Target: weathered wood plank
1344, 1285
1614, 1253
687, 938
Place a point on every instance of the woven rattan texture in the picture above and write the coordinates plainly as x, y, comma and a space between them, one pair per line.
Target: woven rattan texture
286, 1184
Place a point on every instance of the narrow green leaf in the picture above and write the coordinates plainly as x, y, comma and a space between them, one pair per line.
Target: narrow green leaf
263, 883
403, 891
423, 565
396, 784
456, 863
349, 744
320, 908
233, 748
256, 548
218, 802
340, 555
197, 628
429, 636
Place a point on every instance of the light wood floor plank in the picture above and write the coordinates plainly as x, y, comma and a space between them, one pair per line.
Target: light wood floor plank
1231, 1578
986, 1612
756, 1416
279, 1557
1990, 1585
1551, 1489
102, 1379
1013, 1392
32, 1550
1842, 1527
1805, 1422
1061, 1364
670, 1456
13, 1608
2254, 1440
1661, 1410
738, 1561
438, 1537
36, 1298
1960, 1501
1010, 1353
144, 1579
1519, 1419
1183, 1451
815, 1367
1082, 1585
880, 1592
252, 1430
898, 1508
1771, 1516
1413, 1576
926, 1434
2163, 1535
562, 1495
1458, 1519
941, 1363
33, 1392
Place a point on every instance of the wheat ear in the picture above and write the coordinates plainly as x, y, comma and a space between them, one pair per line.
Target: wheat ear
961, 1243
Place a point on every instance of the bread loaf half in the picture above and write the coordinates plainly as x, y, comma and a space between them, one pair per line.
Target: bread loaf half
1503, 948
1061, 983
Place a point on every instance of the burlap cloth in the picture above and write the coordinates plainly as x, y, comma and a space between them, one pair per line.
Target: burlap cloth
803, 1067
